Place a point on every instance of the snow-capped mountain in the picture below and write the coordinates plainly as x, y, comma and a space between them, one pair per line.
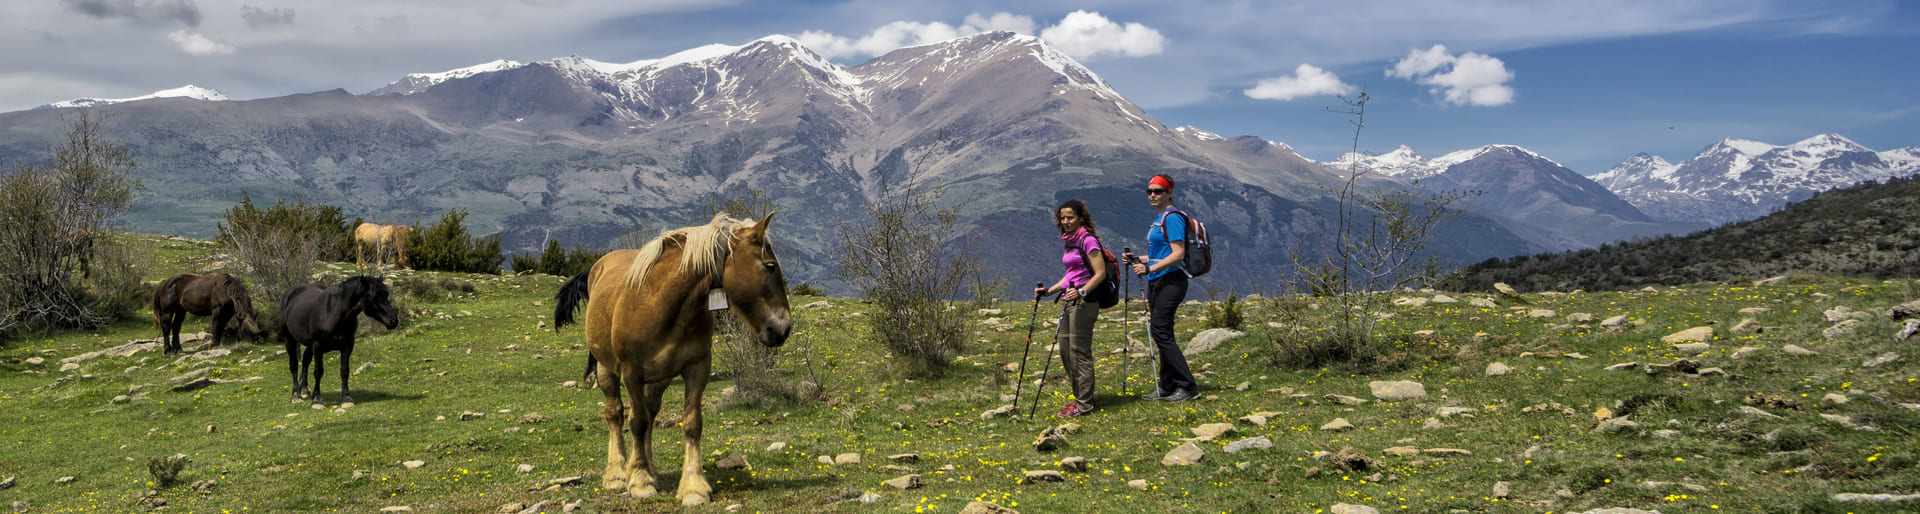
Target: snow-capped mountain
417, 82
1405, 164
187, 91
1737, 179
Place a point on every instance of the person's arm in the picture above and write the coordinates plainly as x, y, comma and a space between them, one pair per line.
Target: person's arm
1172, 259
1098, 260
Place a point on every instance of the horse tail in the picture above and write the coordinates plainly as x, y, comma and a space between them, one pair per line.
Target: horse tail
160, 292
568, 299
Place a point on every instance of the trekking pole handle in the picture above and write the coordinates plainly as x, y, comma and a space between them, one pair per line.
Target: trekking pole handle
1036, 291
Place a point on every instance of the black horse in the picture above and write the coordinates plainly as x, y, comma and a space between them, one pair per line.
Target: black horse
323, 319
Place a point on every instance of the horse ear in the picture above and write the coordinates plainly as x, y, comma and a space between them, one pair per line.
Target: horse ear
760, 228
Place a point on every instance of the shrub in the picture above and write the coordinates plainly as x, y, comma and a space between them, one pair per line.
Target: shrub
446, 246
275, 249
805, 289
50, 218
166, 470
430, 288
986, 292
904, 260
1224, 314
556, 260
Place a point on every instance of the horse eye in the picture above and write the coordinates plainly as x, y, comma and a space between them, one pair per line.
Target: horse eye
772, 265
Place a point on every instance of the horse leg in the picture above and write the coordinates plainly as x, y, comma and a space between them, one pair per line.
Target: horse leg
642, 475
694, 489
346, 354
319, 369
293, 367
171, 345
220, 318
615, 412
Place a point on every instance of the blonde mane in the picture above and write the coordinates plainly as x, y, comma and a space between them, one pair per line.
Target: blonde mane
703, 248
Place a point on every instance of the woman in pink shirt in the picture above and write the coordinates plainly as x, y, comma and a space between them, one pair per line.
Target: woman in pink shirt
1086, 269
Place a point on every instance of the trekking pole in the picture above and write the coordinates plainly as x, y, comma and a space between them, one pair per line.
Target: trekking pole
1061, 325
1126, 317
1153, 347
1031, 321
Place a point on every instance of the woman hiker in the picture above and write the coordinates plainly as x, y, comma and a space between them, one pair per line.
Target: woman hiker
1166, 288
1086, 270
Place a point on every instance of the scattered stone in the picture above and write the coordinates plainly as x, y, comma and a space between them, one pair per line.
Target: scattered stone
194, 384
1211, 431
532, 417
869, 498
1251, 443
69, 367
1447, 452
1541, 313
1186, 455
524, 468
1904, 311
1615, 425
1695, 334
1485, 303
1745, 351
996, 412
907, 408
777, 446
35, 361
1243, 386
1342, 508
1448, 412
825, 459
1344, 400
1845, 422
1692, 349
846, 458
1209, 339
209, 354
1338, 424
471, 415
1751, 411
1258, 420
904, 458
1498, 369
1049, 440
6, 484
1842, 329
906, 482
896, 468
1756, 310
1505, 289
822, 304
1074, 464
1139, 484
512, 508
1793, 349
1843, 313
1907, 332
1440, 298
1666, 433
1411, 301
1623, 366
1615, 324
1883, 359
1857, 497
1045, 475
733, 461
1401, 451
1748, 326
64, 481
414, 464
1680, 366
1395, 391
1502, 490
1835, 398
397, 508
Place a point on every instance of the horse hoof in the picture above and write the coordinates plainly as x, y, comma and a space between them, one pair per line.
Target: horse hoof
645, 491
346, 405
693, 499
613, 485
296, 399
319, 406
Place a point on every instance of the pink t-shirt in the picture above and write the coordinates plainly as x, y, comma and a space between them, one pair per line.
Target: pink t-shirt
1079, 244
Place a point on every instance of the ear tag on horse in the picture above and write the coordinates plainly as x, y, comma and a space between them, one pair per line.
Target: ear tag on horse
716, 299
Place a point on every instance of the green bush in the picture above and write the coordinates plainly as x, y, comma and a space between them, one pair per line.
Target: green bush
446, 246
1224, 314
805, 289
557, 261
322, 224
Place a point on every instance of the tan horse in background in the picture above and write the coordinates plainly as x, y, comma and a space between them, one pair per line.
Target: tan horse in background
380, 237
648, 322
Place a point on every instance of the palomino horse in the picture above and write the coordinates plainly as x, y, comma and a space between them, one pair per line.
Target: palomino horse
323, 319
218, 295
380, 238
648, 321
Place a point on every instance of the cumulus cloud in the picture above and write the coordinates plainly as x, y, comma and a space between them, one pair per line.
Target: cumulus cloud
152, 11
1082, 34
195, 43
259, 18
1088, 35
1465, 79
1306, 80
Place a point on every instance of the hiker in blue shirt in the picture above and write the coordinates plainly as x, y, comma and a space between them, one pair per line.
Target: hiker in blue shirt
1166, 288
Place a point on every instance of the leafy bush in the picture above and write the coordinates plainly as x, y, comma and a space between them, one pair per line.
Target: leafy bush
556, 260
1224, 314
318, 225
805, 289
430, 288
446, 246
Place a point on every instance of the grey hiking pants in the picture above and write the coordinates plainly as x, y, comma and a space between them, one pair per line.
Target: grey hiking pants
1076, 347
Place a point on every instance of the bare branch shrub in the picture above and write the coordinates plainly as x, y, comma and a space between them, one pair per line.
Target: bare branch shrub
50, 219
911, 260
276, 248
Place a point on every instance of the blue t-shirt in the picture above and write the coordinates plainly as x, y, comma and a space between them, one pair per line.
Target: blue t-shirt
1158, 246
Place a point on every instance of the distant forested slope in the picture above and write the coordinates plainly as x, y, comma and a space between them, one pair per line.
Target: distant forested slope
1870, 229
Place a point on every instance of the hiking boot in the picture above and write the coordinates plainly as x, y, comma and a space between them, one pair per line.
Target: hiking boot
1181, 396
1157, 394
1075, 408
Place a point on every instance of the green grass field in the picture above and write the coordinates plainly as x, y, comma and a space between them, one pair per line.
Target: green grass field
493, 352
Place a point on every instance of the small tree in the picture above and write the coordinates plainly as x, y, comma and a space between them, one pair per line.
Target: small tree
51, 219
1377, 244
276, 248
910, 260
446, 246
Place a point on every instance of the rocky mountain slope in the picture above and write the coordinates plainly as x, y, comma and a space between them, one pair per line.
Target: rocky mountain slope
1735, 179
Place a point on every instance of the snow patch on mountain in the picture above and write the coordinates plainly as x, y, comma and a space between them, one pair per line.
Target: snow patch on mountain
417, 82
1738, 179
1196, 133
187, 91
1406, 164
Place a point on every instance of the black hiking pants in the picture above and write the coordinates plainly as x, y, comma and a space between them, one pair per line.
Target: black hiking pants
1164, 295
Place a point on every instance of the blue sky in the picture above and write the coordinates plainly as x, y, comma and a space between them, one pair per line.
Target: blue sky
1585, 83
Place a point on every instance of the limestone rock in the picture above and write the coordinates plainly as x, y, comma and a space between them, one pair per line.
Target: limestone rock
846, 458
733, 461
1842, 330
1484, 303
1440, 298
1395, 391
1541, 313
1411, 301
1614, 425
1843, 313
906, 482
1251, 443
1881, 360
904, 458
1074, 464
1186, 455
1344, 400
1505, 289
1338, 424
1756, 310
1793, 349
1748, 326
1401, 451
1745, 351
1141, 485
1695, 334
1498, 369
997, 411
1502, 490
1211, 431
1692, 349
1209, 339
1908, 331
1342, 508
1858, 497
1045, 475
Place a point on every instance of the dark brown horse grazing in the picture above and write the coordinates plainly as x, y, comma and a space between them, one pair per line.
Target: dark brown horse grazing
218, 295
323, 319
649, 322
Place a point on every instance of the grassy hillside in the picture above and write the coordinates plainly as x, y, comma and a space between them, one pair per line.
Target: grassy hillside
1871, 229
489, 352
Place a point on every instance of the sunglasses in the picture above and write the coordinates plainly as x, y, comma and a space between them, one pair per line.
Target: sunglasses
1155, 191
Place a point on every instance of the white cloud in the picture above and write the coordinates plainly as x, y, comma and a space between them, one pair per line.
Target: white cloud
1465, 79
1088, 35
1081, 34
195, 43
1306, 80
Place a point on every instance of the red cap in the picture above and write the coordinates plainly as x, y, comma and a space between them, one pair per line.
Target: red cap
1160, 181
